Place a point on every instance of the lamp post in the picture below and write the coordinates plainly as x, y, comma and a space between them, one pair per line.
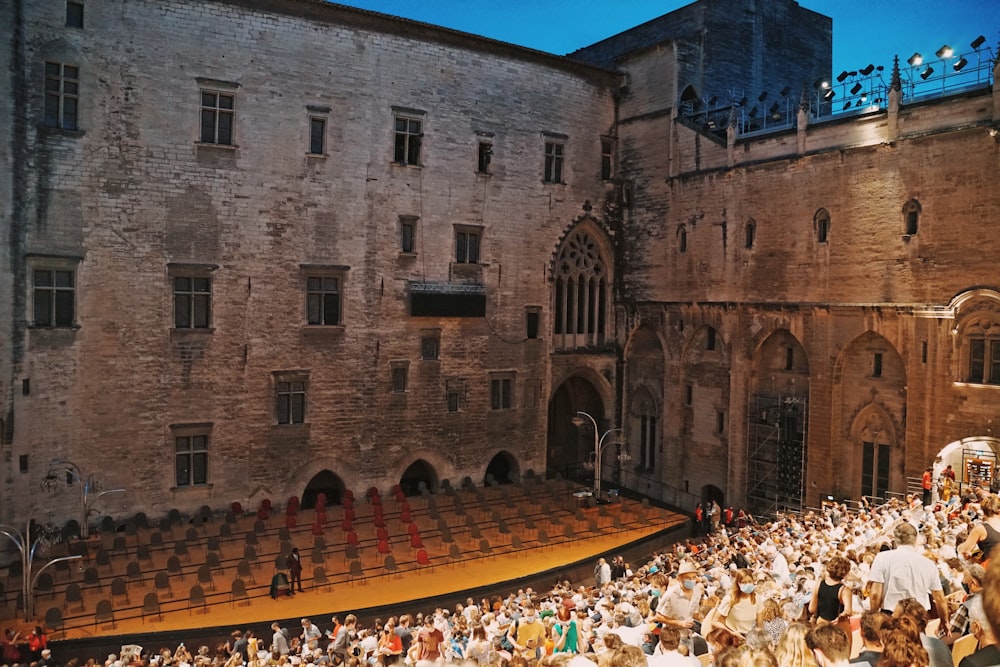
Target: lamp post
26, 547
599, 446
90, 491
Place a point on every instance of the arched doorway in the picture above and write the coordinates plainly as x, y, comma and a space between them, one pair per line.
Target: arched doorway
418, 477
975, 461
324, 482
570, 447
710, 493
502, 469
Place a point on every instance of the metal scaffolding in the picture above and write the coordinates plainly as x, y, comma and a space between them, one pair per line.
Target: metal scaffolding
776, 453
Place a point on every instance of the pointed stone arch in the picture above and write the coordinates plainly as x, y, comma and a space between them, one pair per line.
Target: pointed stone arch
872, 469
581, 272
645, 367
419, 477
326, 482
568, 447
503, 468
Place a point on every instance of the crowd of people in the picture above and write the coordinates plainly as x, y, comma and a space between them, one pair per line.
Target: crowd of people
890, 586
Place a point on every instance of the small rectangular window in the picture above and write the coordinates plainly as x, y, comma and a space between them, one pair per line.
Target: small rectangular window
408, 235
789, 358
26, 387
720, 422
689, 394
317, 135
485, 156
607, 159
217, 110
62, 95
467, 245
977, 360
408, 133
501, 393
54, 298
191, 459
553, 162
531, 319
453, 397
400, 373
430, 348
877, 365
22, 463
192, 302
323, 300
923, 352
710, 339
290, 402
74, 14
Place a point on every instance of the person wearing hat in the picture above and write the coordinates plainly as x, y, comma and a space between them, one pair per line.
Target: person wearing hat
678, 605
904, 572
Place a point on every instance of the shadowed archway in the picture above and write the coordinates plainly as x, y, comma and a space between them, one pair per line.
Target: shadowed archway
419, 476
570, 447
502, 469
324, 482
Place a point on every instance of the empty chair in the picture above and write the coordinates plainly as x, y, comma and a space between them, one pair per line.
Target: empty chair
259, 526
422, 558
143, 552
213, 561
502, 527
133, 571
54, 618
593, 527
141, 521
543, 537
164, 527
156, 537
284, 535
390, 564
230, 518
181, 550
198, 521
454, 553
205, 577
119, 588
279, 561
91, 577
475, 533
382, 534
351, 552
71, 530
73, 595
238, 591
174, 565
416, 542
119, 545
319, 542
446, 536
317, 556
384, 548
162, 583
485, 548
236, 508
107, 524
351, 539
320, 578
213, 544
196, 598
515, 542
529, 523
225, 531
206, 513
104, 613
175, 517
250, 554
103, 559
192, 534
251, 539
150, 606
243, 570
44, 583
355, 571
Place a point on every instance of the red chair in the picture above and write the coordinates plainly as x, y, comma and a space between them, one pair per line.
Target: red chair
422, 558
378, 512
263, 514
404, 516
412, 529
405, 505
352, 539
416, 542
347, 525
317, 529
348, 498
320, 517
291, 521
349, 513
397, 491
372, 493
382, 534
292, 506
237, 508
383, 548
321, 501
379, 522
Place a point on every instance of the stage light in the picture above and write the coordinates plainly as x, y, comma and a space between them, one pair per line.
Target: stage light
754, 112
785, 91
829, 95
864, 97
944, 52
819, 83
926, 73
743, 101
847, 105
712, 100
856, 88
977, 42
868, 70
915, 59
959, 64
775, 108
843, 75
762, 96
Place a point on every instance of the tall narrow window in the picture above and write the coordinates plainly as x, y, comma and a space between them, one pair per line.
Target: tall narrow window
290, 401
984, 359
874, 469
317, 135
607, 158
647, 442
822, 223
408, 133
467, 245
62, 95
74, 14
485, 156
191, 459
720, 422
400, 376
54, 298
553, 162
323, 300
749, 234
217, 109
430, 346
407, 234
682, 239
876, 365
789, 358
710, 338
501, 393
911, 217
192, 302
581, 300
531, 318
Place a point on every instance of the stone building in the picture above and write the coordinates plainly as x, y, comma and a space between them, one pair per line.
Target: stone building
278, 247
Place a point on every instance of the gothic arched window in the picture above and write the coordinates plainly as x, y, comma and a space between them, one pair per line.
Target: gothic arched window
582, 300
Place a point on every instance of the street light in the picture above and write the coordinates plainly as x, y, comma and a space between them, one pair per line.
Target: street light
27, 551
599, 445
90, 491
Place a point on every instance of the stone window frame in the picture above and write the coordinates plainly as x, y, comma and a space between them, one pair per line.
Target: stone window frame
408, 129
554, 152
309, 274
608, 163
198, 437
74, 13
980, 331
222, 91
408, 234
53, 264
484, 152
291, 397
502, 389
749, 234
911, 212
430, 345
682, 239
317, 116
61, 104
821, 225
399, 375
193, 272
463, 250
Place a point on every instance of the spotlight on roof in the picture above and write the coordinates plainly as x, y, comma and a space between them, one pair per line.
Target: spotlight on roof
864, 98
754, 112
829, 94
856, 88
868, 70
743, 101
712, 100
915, 59
818, 83
775, 108
977, 42
926, 73
785, 91
847, 105
944, 52
959, 64
762, 96
843, 75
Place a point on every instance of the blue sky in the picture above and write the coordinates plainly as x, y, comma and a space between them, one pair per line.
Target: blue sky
864, 31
